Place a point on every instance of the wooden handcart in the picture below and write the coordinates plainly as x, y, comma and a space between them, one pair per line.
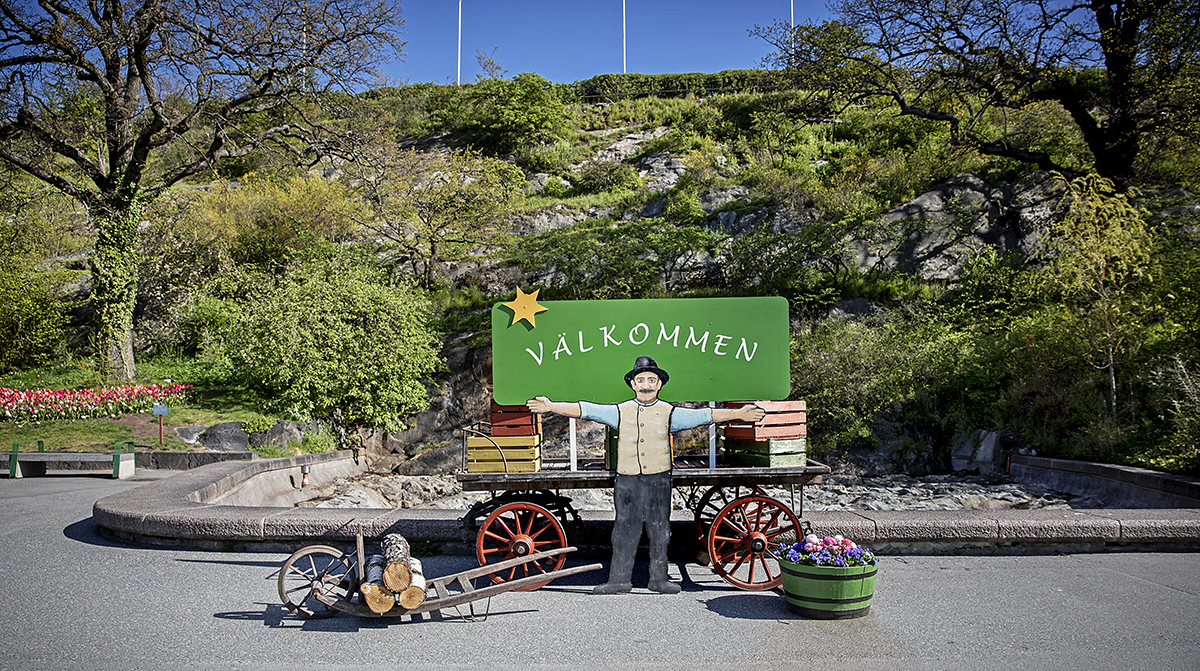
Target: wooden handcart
319, 581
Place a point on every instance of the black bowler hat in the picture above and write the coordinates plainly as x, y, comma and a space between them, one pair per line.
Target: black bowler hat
645, 364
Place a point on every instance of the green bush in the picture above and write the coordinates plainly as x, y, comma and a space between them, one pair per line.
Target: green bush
317, 443
554, 158
683, 205
505, 114
852, 371
333, 340
604, 260
36, 312
602, 176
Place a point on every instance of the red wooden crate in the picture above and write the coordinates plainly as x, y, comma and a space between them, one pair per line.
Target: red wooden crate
784, 419
514, 420
496, 407
759, 432
771, 406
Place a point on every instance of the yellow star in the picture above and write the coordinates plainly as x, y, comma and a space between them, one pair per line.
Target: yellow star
525, 307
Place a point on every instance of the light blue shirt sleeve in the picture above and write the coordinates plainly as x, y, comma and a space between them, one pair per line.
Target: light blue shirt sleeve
604, 413
610, 415
690, 418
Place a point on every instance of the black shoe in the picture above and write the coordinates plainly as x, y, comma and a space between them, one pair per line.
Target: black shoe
612, 588
664, 587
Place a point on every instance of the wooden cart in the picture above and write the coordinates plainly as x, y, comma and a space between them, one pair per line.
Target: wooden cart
737, 524
319, 581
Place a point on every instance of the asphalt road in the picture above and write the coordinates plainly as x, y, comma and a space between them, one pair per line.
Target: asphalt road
75, 599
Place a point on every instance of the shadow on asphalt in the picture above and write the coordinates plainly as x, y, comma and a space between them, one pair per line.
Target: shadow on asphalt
233, 562
750, 606
275, 616
87, 531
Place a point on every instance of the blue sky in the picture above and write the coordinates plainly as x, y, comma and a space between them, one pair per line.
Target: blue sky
571, 40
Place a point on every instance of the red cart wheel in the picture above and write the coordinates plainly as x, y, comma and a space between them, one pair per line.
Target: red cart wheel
516, 530
713, 501
742, 540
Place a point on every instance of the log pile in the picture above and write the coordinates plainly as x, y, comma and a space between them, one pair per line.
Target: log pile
393, 577
403, 574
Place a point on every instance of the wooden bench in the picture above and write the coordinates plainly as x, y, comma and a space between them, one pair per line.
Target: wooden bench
29, 464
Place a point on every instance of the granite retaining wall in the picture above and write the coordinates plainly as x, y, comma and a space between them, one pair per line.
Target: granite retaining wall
1117, 486
194, 508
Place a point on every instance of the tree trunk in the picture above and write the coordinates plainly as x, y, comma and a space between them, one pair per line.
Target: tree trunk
114, 280
1112, 379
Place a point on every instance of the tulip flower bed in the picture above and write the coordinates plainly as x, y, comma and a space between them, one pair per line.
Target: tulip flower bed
33, 406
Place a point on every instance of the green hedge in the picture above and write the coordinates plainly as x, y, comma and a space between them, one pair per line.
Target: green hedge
610, 87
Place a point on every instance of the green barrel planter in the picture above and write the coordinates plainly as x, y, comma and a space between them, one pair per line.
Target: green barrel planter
828, 592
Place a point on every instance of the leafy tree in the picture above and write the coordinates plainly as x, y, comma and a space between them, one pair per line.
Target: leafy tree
441, 206
851, 372
592, 260
1124, 71
267, 225
268, 222
36, 310
333, 340
628, 259
114, 102
1101, 255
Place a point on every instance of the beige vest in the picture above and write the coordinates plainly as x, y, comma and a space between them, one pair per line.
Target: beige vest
644, 444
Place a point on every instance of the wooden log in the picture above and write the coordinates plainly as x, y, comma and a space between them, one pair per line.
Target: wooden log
396, 554
396, 549
397, 576
413, 595
379, 598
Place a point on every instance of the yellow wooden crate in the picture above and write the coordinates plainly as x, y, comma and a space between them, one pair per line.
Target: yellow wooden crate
490, 453
499, 466
504, 441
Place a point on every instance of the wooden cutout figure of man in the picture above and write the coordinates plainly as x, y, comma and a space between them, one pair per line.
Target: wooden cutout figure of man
642, 487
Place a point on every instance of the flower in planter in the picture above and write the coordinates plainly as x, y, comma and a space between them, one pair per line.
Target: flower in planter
827, 551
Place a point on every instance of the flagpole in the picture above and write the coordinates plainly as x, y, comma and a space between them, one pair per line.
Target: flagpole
458, 73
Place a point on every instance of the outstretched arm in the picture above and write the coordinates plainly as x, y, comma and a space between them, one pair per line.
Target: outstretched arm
746, 413
542, 405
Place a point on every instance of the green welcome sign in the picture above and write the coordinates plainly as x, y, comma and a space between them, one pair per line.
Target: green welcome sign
713, 349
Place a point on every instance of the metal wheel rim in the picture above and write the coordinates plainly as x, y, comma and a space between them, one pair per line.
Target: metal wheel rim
740, 525
312, 570
516, 525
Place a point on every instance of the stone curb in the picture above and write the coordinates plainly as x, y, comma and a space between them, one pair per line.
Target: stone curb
186, 509
1121, 484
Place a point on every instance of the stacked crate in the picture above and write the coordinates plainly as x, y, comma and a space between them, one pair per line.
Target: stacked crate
779, 439
515, 445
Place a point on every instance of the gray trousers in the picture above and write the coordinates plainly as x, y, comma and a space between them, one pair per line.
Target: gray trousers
641, 500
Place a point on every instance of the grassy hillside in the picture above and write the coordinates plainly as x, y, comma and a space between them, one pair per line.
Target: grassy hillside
1009, 345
